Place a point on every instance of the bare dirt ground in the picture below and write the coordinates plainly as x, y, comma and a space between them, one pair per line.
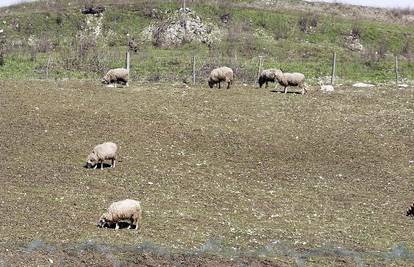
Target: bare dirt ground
235, 177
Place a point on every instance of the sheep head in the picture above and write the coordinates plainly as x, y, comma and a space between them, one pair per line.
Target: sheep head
210, 83
261, 81
278, 73
92, 160
105, 220
106, 79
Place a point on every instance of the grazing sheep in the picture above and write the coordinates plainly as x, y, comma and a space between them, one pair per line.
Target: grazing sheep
291, 79
119, 75
222, 74
127, 209
101, 152
267, 76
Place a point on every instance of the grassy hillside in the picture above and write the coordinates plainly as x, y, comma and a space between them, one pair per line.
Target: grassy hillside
289, 39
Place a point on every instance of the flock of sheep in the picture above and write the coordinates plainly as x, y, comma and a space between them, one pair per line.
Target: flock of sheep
225, 74
129, 209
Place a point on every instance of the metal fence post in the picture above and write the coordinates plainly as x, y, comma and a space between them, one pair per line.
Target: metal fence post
396, 71
194, 69
47, 68
128, 60
260, 66
333, 69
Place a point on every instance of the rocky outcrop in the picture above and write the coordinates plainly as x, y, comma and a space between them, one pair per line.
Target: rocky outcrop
180, 27
353, 43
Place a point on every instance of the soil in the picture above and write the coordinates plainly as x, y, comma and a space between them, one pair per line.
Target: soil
236, 177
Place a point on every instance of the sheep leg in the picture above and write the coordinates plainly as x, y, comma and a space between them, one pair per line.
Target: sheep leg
131, 222
96, 166
127, 85
285, 89
228, 85
266, 84
219, 86
113, 163
101, 164
304, 90
116, 226
134, 221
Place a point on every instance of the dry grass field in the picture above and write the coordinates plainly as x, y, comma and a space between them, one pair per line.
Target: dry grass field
244, 176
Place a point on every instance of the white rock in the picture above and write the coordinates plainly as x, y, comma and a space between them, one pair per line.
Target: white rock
327, 88
363, 85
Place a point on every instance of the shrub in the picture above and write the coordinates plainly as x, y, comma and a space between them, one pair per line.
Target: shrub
382, 49
59, 19
2, 49
406, 50
400, 12
356, 32
307, 23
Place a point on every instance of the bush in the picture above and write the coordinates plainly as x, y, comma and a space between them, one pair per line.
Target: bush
59, 19
406, 50
308, 23
356, 32
400, 12
2, 48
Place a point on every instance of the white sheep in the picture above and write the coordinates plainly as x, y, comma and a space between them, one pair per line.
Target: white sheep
127, 209
100, 153
119, 75
266, 76
222, 74
291, 79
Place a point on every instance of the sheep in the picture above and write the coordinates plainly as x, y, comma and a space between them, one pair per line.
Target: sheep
219, 75
127, 209
101, 152
116, 75
267, 76
291, 79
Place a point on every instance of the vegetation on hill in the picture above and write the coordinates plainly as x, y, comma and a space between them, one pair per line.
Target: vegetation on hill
55, 35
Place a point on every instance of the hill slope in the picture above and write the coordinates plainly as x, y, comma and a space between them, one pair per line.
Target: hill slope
291, 35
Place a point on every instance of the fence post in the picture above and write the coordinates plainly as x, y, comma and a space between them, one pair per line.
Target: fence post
260, 66
47, 68
333, 69
128, 56
194, 68
128, 59
396, 71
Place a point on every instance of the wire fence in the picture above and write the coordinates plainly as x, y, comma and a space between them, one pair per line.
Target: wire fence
171, 65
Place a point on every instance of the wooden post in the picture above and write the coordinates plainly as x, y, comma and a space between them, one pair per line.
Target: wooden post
128, 57
260, 66
396, 71
47, 68
194, 74
184, 5
333, 69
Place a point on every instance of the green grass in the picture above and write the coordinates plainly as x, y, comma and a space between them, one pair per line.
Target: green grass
250, 33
